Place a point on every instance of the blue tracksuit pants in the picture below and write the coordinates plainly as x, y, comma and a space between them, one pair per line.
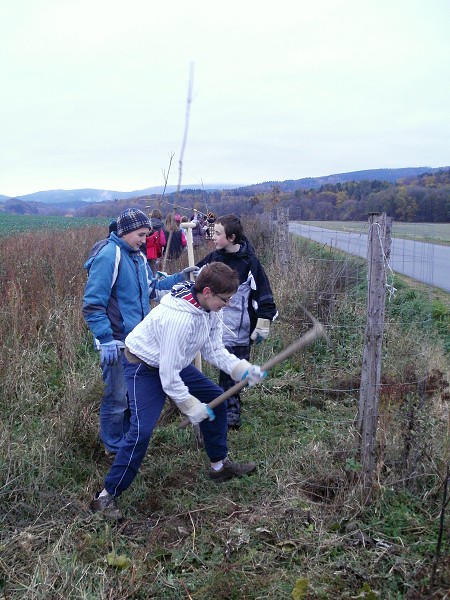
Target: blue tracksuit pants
146, 400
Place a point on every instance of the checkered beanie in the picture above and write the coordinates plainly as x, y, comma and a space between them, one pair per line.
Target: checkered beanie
130, 220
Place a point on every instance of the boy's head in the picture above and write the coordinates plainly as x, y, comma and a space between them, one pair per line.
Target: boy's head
216, 283
133, 226
228, 231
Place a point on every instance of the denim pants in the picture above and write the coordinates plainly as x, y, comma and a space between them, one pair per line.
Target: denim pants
146, 399
225, 382
114, 409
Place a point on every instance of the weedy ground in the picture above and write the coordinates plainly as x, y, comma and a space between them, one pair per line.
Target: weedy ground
299, 527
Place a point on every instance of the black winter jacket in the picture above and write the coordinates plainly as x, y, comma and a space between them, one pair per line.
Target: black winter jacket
253, 299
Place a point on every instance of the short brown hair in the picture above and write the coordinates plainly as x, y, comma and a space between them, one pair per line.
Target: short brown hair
219, 277
232, 225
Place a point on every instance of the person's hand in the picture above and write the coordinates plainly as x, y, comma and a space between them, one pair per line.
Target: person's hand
186, 273
254, 375
261, 331
109, 353
195, 410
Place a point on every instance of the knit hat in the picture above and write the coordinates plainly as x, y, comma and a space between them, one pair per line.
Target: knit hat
130, 220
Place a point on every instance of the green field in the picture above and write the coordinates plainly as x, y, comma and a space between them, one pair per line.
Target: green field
436, 233
11, 223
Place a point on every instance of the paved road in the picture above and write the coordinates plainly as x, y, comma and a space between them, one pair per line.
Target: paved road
428, 263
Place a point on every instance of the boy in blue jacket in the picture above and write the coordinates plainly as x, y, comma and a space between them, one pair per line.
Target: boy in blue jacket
116, 298
248, 315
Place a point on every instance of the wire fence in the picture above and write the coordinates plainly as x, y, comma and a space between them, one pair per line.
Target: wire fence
328, 274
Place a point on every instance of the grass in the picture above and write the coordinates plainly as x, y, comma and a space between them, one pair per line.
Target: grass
295, 529
435, 233
11, 223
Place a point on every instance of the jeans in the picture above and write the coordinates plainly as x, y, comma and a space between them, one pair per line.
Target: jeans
114, 408
147, 398
225, 382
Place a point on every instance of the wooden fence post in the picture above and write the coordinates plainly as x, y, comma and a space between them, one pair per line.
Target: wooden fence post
378, 252
198, 357
282, 251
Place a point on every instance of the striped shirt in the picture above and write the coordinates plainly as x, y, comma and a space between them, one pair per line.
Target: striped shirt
171, 335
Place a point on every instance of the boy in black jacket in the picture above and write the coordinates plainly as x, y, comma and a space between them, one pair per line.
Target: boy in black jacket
247, 316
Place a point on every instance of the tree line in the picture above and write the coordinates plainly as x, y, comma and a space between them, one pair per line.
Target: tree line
422, 198
425, 198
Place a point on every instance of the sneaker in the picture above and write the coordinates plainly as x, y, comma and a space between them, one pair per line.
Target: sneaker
109, 457
231, 469
107, 506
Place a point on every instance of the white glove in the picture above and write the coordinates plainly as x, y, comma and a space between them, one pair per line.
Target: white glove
261, 331
254, 375
195, 410
238, 371
245, 369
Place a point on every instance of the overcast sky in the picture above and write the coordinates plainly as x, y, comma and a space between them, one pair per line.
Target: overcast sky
93, 92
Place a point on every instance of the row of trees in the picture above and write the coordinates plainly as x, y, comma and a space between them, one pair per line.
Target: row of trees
425, 198
422, 199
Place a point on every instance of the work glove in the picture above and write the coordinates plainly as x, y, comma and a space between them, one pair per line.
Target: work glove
186, 273
245, 369
109, 353
195, 410
254, 375
261, 331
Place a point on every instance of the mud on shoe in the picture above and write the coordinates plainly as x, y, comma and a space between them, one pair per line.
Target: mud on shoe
107, 507
231, 469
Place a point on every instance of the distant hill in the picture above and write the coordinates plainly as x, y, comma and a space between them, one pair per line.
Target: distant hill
75, 198
62, 201
390, 175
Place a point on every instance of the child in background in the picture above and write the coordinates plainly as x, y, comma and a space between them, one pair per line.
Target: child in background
177, 239
248, 315
158, 362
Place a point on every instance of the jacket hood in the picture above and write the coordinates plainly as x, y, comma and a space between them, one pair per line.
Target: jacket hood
182, 299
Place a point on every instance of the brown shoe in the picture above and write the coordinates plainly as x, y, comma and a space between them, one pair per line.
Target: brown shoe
106, 505
231, 469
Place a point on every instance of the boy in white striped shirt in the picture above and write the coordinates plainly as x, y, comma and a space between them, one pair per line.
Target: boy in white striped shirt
159, 353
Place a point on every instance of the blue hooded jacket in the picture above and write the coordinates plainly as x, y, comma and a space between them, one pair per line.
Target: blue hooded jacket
118, 290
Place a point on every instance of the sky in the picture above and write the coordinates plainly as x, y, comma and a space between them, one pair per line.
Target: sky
94, 93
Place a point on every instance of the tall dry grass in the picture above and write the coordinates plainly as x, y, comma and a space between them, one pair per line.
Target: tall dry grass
254, 538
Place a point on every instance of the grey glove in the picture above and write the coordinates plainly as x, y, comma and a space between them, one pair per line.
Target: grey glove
109, 353
186, 273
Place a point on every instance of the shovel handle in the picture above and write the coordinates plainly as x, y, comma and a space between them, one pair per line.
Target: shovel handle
316, 332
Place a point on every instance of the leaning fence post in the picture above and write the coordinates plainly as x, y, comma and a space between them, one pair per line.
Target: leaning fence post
378, 251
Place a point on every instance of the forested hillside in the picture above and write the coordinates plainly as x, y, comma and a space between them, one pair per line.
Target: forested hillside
420, 198
425, 198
